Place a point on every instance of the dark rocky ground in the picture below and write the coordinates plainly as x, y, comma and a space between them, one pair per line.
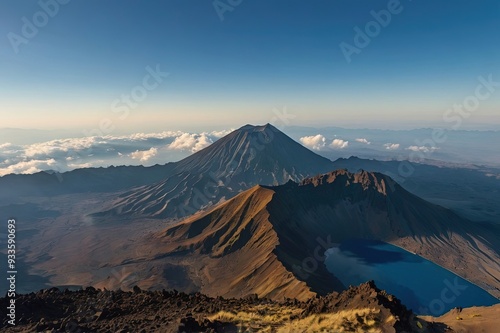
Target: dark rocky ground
92, 310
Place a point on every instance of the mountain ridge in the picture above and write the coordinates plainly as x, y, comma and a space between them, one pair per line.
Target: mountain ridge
268, 232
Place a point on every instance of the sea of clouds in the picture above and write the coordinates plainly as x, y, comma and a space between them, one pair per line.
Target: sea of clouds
168, 146
101, 151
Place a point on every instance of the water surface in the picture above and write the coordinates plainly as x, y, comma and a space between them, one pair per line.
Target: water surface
421, 285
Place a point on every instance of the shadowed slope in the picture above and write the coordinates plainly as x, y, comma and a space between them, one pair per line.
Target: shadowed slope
235, 243
264, 240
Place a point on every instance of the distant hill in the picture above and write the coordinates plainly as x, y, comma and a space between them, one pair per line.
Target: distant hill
95, 180
472, 191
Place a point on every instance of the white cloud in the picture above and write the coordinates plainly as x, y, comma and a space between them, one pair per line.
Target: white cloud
315, 142
67, 154
391, 146
31, 166
191, 142
81, 165
146, 136
422, 149
144, 155
363, 140
339, 144
203, 141
59, 146
220, 134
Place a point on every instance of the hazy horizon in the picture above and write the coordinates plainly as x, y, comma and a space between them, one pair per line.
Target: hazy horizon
61, 151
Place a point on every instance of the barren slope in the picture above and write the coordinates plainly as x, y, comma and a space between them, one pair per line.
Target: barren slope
233, 244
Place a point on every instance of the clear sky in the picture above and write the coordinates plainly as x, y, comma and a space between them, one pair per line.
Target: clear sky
73, 70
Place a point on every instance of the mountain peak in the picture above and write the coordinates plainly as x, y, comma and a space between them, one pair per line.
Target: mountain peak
366, 179
257, 128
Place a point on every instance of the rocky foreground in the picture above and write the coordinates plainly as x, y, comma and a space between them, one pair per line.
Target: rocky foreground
359, 309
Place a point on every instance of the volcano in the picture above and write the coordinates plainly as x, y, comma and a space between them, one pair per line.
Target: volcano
244, 158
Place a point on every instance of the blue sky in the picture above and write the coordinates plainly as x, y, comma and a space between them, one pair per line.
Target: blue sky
263, 55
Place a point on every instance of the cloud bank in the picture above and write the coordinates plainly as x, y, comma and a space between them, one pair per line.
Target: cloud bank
363, 140
144, 155
191, 142
339, 144
391, 146
315, 142
67, 154
423, 149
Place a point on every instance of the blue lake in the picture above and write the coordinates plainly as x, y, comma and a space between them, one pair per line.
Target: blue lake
421, 285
